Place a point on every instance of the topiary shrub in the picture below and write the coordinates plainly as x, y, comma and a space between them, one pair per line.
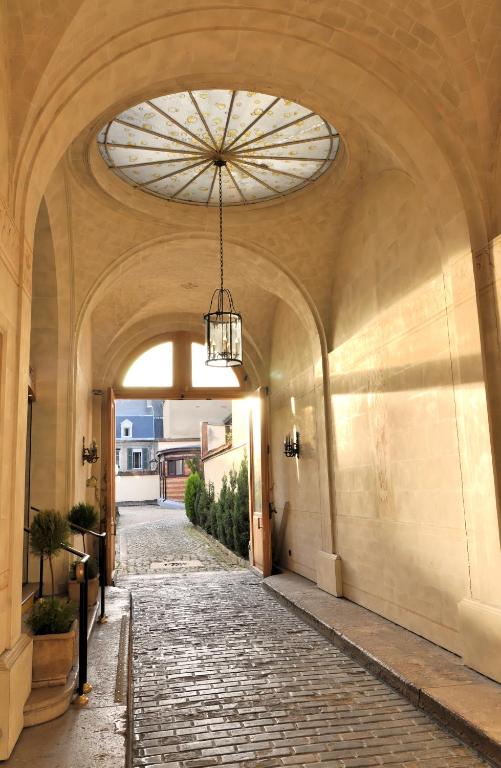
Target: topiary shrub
51, 617
48, 532
227, 517
240, 515
228, 510
212, 518
85, 516
190, 494
211, 509
194, 465
202, 506
221, 506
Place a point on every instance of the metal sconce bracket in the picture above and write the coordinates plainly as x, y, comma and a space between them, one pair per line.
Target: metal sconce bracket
292, 447
89, 454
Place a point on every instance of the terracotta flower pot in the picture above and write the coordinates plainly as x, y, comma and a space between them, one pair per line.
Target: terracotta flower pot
93, 591
53, 657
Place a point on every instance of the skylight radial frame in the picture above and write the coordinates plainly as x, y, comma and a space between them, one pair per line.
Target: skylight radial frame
197, 127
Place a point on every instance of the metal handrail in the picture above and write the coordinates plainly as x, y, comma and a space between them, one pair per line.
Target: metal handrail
83, 686
102, 564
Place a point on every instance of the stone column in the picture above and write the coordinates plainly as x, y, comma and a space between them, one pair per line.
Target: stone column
15, 647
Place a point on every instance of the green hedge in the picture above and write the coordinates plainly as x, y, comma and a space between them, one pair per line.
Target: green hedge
227, 517
190, 495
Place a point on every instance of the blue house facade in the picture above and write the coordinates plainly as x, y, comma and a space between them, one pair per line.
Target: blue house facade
138, 428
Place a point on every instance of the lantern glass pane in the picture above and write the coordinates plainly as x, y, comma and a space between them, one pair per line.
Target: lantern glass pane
223, 333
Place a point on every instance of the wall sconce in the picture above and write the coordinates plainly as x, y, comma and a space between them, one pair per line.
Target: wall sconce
89, 454
291, 448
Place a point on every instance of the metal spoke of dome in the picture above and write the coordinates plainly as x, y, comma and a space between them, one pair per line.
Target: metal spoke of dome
269, 146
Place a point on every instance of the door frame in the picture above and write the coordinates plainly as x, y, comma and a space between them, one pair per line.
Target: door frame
110, 518
182, 390
265, 526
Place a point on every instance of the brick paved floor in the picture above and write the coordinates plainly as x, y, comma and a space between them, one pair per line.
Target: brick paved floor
225, 675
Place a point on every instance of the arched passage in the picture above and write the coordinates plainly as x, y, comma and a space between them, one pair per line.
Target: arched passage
337, 283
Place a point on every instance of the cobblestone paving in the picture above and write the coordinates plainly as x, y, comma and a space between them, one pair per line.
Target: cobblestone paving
155, 540
225, 675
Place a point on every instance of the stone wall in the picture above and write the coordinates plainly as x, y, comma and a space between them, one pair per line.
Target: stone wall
410, 430
295, 483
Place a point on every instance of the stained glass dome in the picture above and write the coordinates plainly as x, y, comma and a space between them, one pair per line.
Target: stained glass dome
167, 146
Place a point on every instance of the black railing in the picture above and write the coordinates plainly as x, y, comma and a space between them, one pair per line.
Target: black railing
83, 578
83, 620
102, 564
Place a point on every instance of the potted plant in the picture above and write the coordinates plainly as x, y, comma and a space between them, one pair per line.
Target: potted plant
93, 583
84, 516
52, 621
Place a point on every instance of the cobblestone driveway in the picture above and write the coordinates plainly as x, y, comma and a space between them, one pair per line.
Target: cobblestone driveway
156, 540
225, 675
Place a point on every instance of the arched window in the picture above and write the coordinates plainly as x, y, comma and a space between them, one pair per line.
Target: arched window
154, 368
175, 368
204, 376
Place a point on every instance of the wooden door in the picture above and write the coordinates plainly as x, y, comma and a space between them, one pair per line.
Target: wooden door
260, 524
110, 484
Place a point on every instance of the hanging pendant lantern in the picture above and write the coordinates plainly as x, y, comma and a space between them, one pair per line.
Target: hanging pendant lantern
223, 324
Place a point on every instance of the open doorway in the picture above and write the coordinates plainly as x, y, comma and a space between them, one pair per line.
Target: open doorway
172, 416
181, 483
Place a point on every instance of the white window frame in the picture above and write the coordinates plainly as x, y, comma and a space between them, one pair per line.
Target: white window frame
135, 452
126, 424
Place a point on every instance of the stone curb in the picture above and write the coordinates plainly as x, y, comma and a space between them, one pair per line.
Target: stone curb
468, 732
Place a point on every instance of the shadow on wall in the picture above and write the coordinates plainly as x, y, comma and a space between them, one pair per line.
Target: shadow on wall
279, 530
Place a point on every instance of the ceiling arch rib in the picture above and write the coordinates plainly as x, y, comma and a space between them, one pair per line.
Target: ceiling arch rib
130, 291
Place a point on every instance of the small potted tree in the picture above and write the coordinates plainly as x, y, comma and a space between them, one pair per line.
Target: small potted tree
52, 621
84, 516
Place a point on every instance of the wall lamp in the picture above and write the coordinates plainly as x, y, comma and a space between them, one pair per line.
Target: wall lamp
292, 447
89, 454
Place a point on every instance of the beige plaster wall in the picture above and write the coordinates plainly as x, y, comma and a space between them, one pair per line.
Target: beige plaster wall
295, 490
8, 376
221, 464
410, 428
44, 361
5, 91
15, 282
85, 418
136, 488
182, 419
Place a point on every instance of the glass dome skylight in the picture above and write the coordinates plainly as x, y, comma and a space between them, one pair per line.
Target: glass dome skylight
167, 146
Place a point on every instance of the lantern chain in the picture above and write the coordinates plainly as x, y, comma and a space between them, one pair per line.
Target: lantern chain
221, 223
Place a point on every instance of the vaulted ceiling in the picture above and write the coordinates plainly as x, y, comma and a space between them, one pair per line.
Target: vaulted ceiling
411, 89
